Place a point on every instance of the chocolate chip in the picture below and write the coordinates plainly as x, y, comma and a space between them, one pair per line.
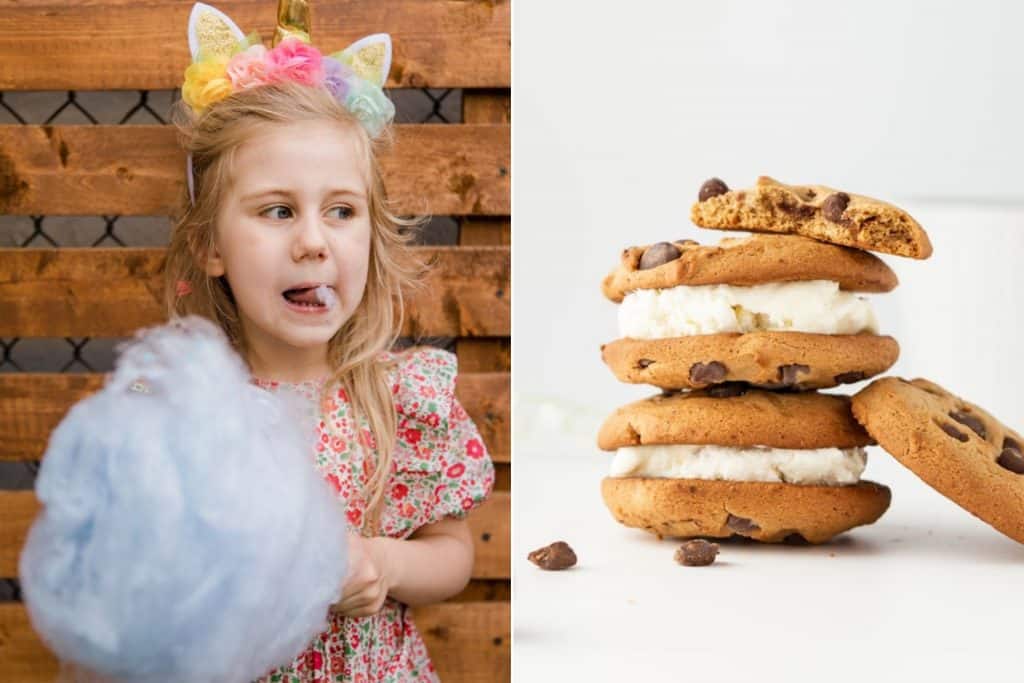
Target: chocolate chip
697, 553
1012, 457
850, 377
788, 373
712, 188
709, 373
797, 209
834, 206
556, 556
728, 389
954, 432
659, 254
795, 538
643, 363
972, 421
741, 525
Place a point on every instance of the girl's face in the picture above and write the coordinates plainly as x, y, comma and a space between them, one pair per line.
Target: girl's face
296, 215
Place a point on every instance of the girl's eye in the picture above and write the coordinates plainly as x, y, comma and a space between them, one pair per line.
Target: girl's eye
344, 212
274, 212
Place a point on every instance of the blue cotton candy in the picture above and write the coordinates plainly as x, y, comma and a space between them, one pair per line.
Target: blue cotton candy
186, 533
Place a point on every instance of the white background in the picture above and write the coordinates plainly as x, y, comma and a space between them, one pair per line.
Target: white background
621, 110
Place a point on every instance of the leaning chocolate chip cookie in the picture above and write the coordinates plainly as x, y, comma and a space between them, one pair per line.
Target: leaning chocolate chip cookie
954, 446
769, 466
772, 311
815, 211
769, 360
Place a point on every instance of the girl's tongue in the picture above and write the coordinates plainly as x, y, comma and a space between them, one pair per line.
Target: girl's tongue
303, 296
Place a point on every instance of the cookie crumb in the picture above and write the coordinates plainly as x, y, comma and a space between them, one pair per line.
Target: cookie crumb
553, 557
697, 553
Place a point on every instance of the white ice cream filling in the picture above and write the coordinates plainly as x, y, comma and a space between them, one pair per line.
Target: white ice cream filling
823, 466
815, 306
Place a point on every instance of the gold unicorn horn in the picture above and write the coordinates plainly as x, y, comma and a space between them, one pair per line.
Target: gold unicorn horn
292, 21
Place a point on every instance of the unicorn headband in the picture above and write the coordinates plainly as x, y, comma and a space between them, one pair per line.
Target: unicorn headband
225, 60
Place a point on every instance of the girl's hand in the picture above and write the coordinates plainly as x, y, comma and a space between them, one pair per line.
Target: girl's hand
367, 584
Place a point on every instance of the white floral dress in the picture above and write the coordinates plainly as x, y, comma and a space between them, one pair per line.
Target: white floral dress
441, 469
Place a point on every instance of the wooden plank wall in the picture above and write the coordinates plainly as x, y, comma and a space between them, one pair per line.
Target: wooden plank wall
460, 170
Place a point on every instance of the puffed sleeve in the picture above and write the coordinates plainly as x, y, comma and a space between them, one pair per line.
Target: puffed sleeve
442, 468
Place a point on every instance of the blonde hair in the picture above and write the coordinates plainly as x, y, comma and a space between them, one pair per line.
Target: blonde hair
353, 353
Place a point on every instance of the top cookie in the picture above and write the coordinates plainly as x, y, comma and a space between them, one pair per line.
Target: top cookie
815, 211
954, 446
746, 261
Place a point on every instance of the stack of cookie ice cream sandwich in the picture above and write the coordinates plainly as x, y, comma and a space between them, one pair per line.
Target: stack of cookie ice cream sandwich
739, 336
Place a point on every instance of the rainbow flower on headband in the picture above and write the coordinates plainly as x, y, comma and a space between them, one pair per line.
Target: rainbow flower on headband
224, 60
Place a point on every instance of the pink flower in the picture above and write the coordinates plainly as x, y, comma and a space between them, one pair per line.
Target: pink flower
474, 449
456, 470
249, 68
294, 60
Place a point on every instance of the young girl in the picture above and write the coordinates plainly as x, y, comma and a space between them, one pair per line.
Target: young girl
286, 241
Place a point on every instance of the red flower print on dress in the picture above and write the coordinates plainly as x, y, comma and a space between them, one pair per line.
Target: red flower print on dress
355, 517
456, 470
474, 449
335, 483
433, 420
399, 491
467, 503
413, 436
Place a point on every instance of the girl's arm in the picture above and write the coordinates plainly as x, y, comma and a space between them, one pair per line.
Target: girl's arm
433, 564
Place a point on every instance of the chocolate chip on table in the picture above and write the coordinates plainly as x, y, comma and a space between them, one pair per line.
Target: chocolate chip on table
972, 421
728, 389
553, 557
954, 432
850, 377
697, 553
712, 188
1012, 457
659, 254
709, 373
835, 205
788, 373
741, 525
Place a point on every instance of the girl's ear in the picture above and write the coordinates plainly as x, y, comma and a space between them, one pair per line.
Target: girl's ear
211, 33
369, 57
214, 263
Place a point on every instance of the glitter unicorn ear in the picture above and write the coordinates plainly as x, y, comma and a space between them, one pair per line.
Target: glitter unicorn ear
211, 32
369, 57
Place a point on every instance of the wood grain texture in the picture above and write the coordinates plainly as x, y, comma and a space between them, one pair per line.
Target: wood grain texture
453, 169
32, 404
94, 292
130, 45
467, 641
490, 524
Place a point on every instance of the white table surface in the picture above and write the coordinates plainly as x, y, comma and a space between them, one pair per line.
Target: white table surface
928, 593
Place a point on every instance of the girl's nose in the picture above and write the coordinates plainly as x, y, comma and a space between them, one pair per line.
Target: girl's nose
309, 240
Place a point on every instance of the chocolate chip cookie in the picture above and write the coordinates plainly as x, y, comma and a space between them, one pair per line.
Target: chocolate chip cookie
734, 416
746, 261
771, 360
763, 511
954, 446
814, 211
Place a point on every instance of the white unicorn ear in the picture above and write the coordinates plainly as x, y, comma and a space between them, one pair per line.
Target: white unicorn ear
369, 57
211, 32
